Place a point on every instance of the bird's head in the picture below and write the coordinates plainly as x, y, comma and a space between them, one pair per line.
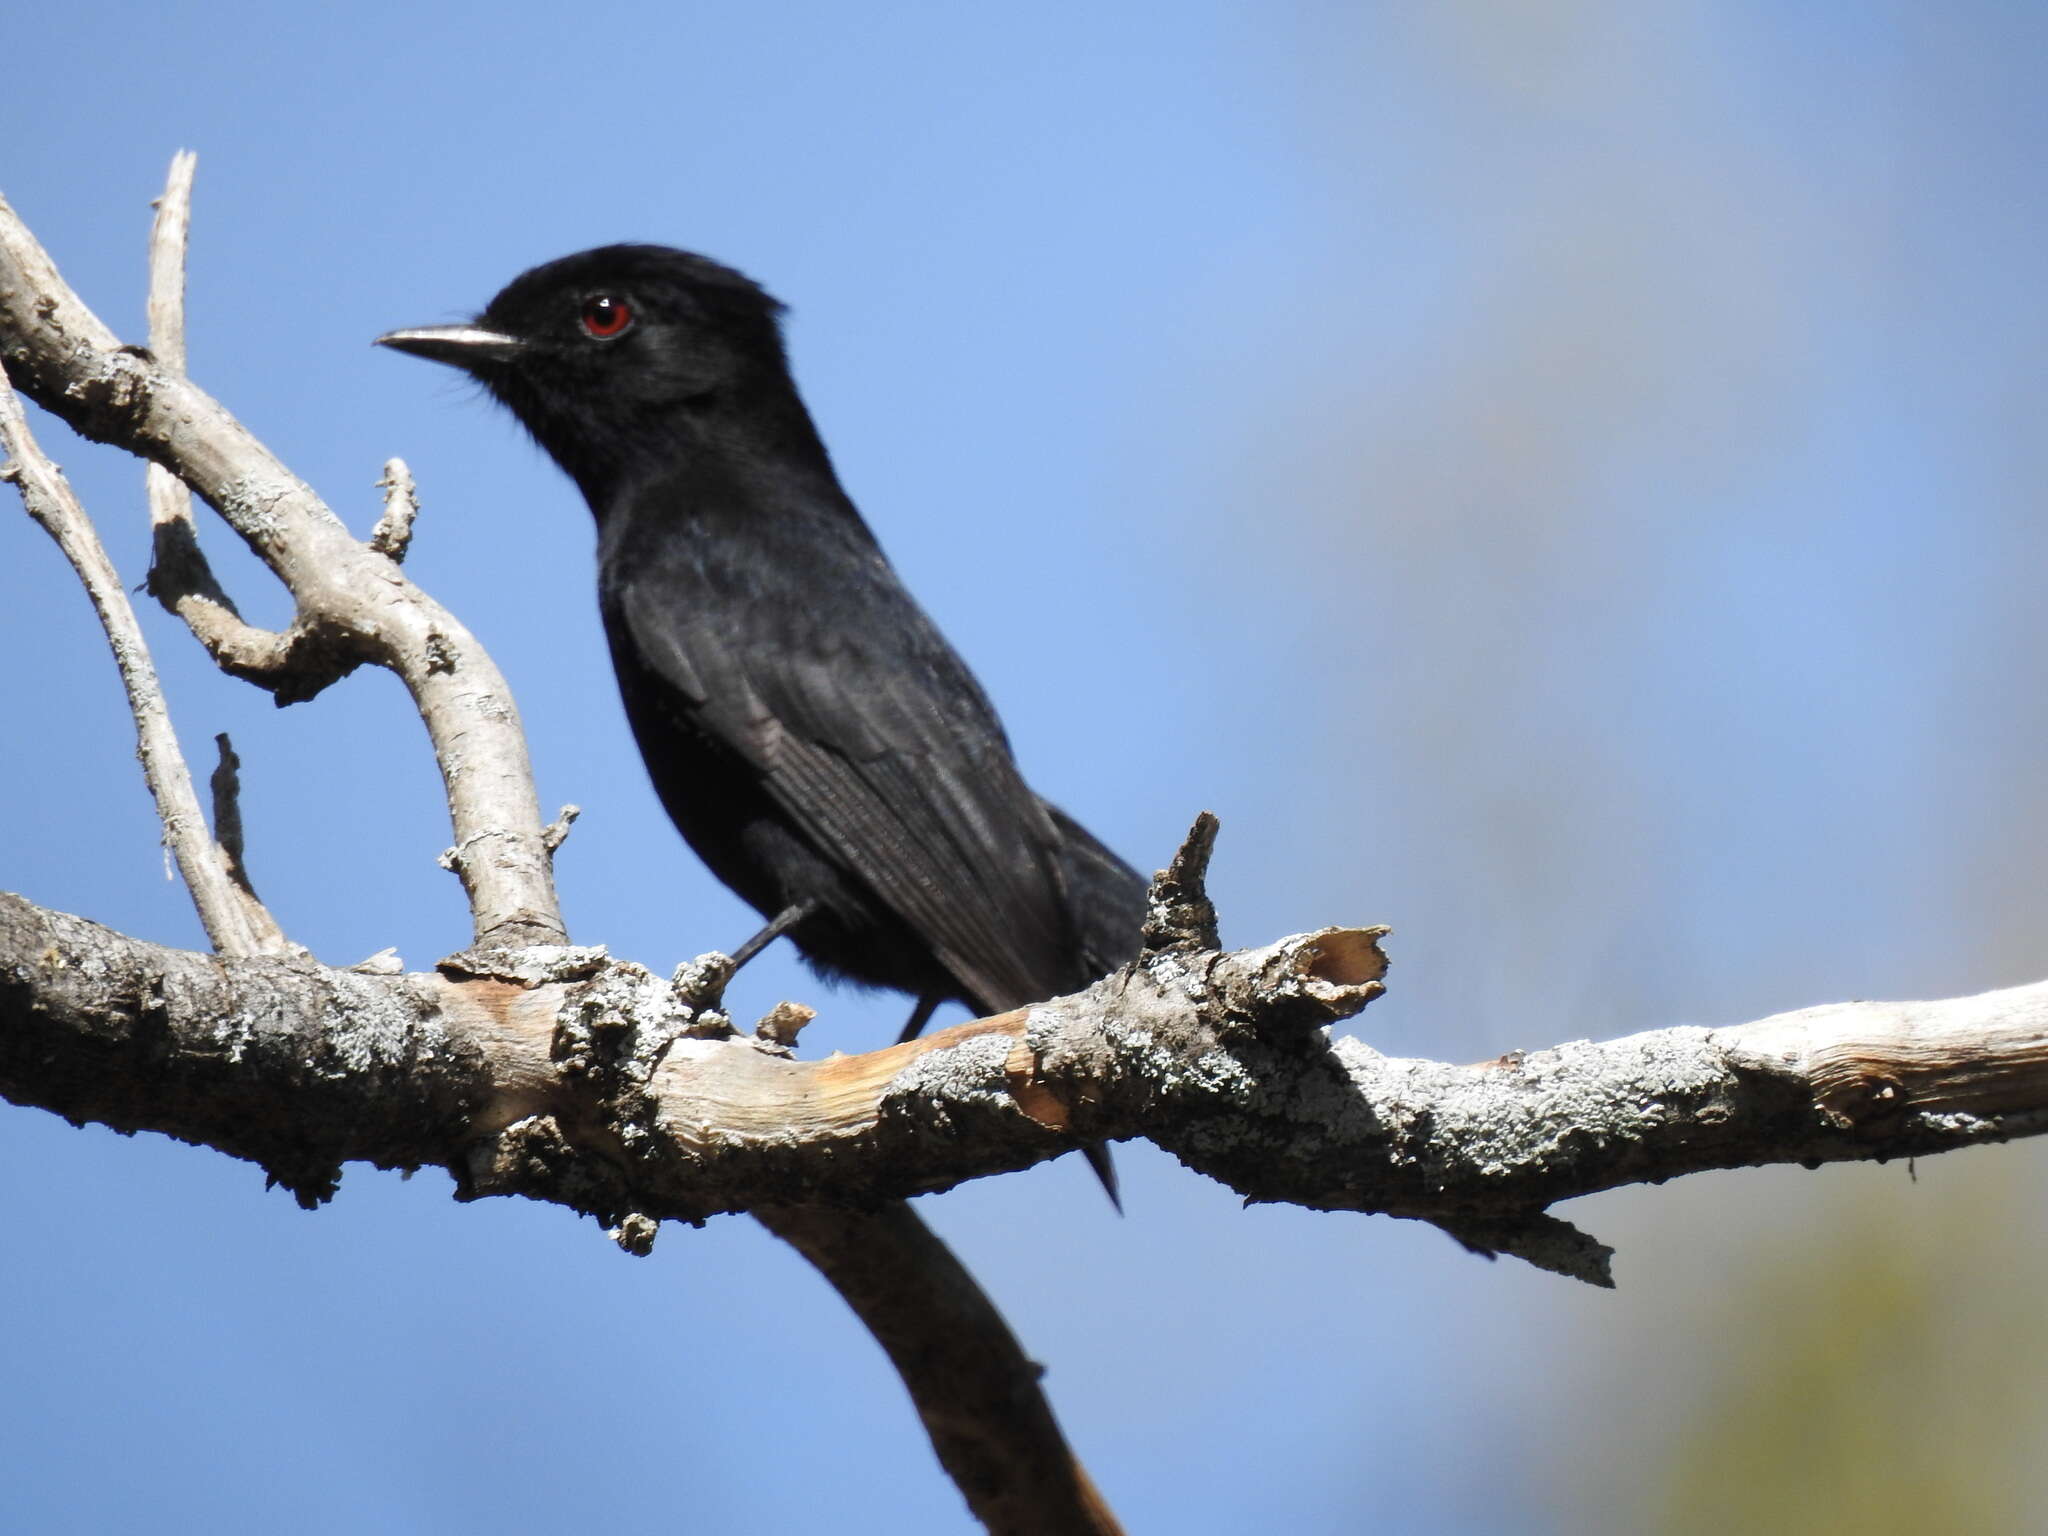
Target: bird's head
608, 355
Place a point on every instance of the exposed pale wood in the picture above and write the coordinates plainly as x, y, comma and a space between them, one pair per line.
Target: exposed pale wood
1219, 1057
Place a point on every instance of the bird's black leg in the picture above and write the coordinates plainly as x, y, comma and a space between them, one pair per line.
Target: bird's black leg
920, 1016
778, 925
703, 985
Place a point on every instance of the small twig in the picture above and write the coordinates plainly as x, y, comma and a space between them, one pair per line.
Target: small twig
236, 923
393, 533
556, 832
781, 1024
1179, 914
226, 785
183, 583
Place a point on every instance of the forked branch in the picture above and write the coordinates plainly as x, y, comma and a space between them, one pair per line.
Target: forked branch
973, 1386
354, 604
532, 1068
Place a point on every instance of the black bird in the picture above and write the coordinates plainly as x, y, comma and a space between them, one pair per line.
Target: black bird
809, 730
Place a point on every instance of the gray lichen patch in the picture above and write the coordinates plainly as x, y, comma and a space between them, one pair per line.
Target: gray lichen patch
1159, 1058
378, 1027
528, 965
942, 1087
621, 1022
250, 503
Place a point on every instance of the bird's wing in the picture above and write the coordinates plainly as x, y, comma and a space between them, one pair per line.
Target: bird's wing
1106, 897
870, 733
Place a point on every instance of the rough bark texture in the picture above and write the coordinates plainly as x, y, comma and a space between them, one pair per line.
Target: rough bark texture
530, 1067
571, 1077
990, 1423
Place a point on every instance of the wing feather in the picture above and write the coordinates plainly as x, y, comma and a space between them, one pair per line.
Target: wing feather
869, 732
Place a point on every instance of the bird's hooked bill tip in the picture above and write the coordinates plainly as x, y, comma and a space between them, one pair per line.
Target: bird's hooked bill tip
463, 345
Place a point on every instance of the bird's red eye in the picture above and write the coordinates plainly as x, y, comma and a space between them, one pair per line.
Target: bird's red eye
605, 317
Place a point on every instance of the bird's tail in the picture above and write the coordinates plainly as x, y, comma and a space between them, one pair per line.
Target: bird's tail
1097, 1153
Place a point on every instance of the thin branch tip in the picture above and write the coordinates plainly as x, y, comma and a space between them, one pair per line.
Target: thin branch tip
235, 922
1179, 914
556, 832
392, 536
1539, 1239
781, 1024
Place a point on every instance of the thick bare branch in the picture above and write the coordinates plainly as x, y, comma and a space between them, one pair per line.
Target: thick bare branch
235, 921
533, 1084
350, 598
591, 1083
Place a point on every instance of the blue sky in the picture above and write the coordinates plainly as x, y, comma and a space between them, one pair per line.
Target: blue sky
1560, 479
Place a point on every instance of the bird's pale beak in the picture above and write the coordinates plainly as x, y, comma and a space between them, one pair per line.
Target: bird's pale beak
465, 346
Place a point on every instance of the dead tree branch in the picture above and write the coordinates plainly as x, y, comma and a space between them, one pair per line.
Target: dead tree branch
529, 1067
235, 921
393, 534
974, 1388
293, 665
169, 502
591, 1083
354, 605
